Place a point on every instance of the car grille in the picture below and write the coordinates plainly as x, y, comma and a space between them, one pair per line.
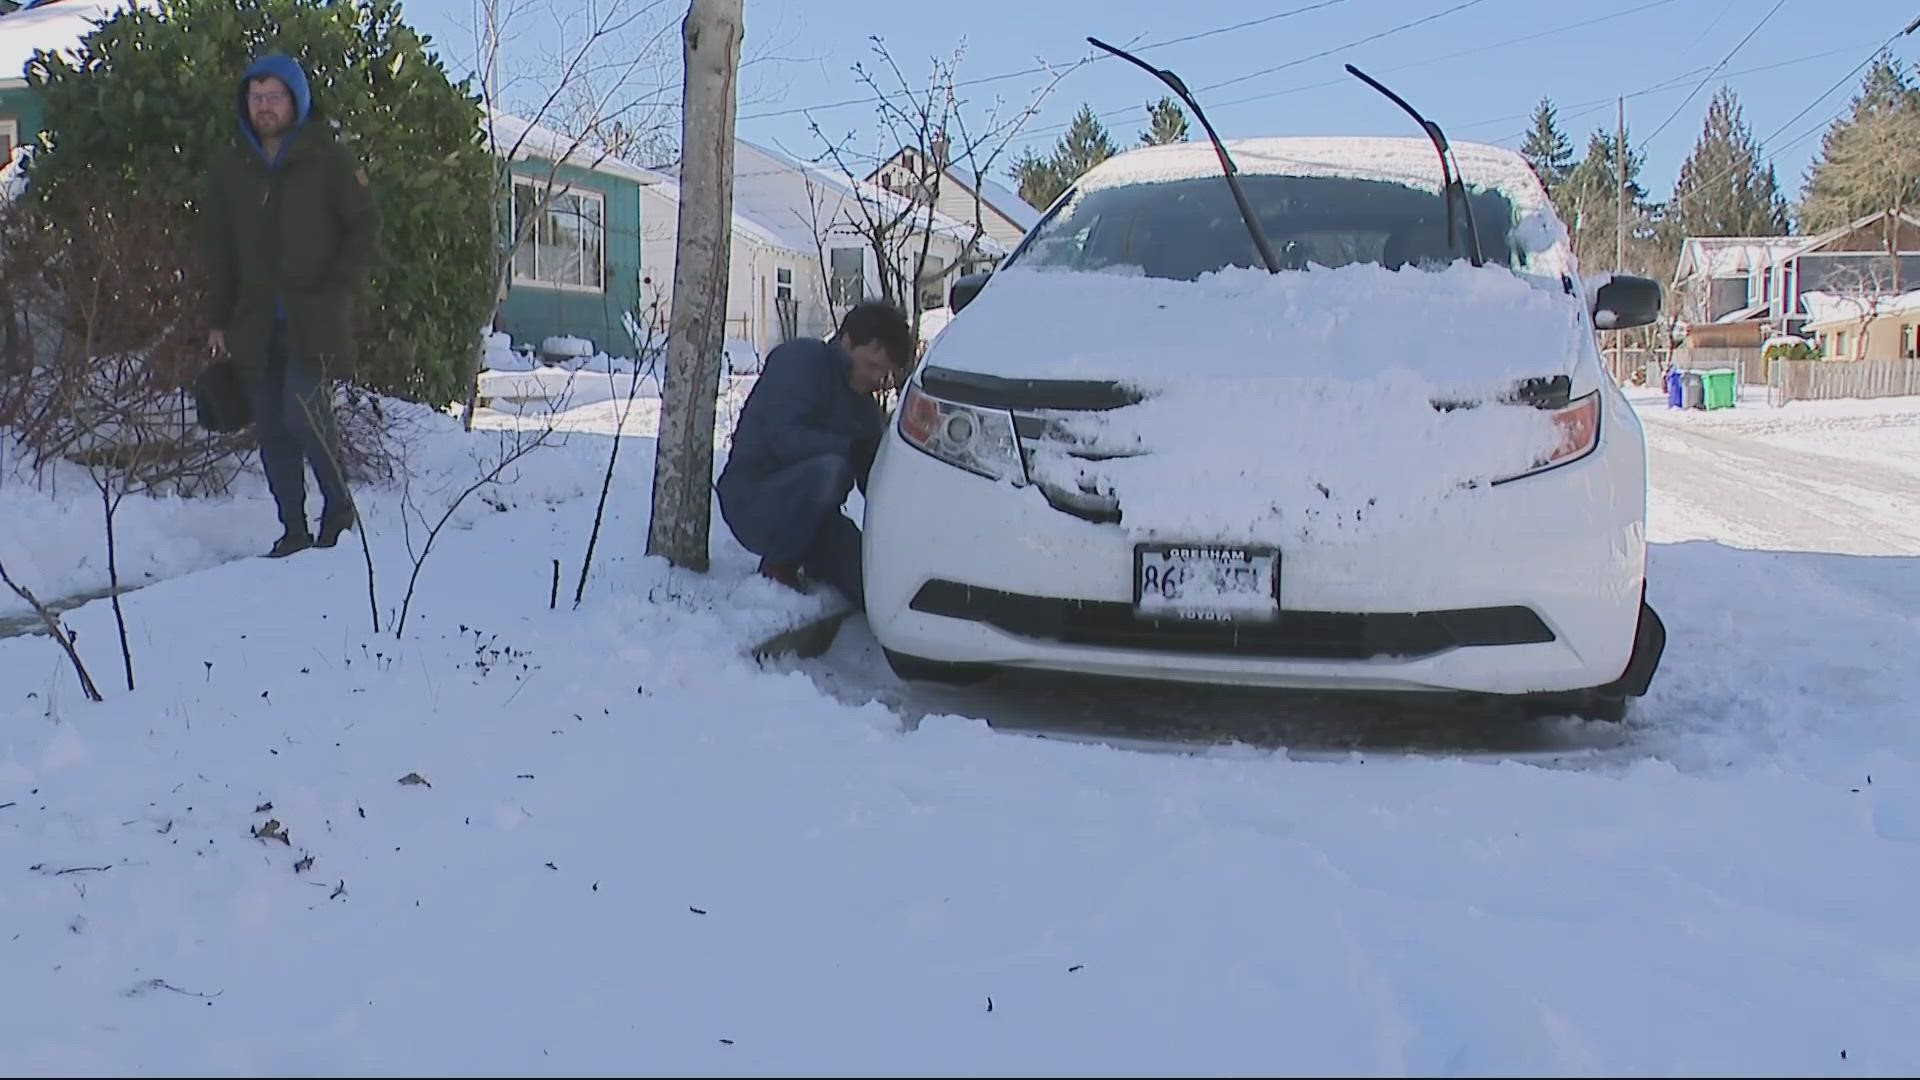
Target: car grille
1305, 635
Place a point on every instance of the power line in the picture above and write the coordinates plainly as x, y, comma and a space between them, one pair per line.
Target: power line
1778, 4
1046, 68
1422, 21
1344, 81
1680, 197
1401, 28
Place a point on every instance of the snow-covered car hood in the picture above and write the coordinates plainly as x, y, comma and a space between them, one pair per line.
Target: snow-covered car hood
1463, 330
1268, 404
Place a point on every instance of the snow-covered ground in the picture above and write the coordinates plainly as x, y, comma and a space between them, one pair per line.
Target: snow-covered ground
636, 850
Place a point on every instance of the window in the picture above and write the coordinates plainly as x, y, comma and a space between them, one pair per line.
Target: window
1182, 229
9, 137
933, 280
783, 285
849, 278
566, 249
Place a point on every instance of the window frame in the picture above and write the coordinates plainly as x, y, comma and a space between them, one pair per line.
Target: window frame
558, 192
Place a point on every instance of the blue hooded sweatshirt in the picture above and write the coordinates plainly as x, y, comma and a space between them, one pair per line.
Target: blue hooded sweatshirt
287, 70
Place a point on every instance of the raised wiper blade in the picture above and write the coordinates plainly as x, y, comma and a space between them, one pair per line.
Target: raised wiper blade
1449, 168
1226, 161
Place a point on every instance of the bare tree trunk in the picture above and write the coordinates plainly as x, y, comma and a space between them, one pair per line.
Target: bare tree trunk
683, 458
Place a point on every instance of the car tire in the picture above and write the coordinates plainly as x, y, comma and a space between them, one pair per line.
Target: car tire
916, 669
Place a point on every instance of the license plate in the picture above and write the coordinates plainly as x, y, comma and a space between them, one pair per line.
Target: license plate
1206, 584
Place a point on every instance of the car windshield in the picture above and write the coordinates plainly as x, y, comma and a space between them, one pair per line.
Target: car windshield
1185, 228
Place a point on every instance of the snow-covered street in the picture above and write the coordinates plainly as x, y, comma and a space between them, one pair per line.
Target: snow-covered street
636, 850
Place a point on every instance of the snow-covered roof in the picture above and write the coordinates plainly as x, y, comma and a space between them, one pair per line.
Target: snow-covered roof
744, 224
54, 27
524, 139
1011, 205
1827, 309
1733, 256
837, 185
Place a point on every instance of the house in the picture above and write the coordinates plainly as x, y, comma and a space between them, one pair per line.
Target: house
1004, 215
827, 211
1733, 293
52, 25
1855, 327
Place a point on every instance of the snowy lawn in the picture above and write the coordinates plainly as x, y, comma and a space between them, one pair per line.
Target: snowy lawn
635, 851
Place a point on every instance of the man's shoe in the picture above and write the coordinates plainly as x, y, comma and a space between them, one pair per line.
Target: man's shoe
289, 543
785, 573
332, 525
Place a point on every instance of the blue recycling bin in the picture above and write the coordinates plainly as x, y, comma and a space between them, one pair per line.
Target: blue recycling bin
1675, 393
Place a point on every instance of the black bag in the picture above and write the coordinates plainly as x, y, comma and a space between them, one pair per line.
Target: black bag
220, 399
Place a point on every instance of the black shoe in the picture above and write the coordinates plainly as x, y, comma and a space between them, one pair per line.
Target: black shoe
289, 543
332, 525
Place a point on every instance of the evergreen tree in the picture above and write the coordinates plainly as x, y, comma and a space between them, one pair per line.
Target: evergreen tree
1588, 200
1166, 123
1546, 148
1869, 160
1085, 145
1722, 190
1037, 181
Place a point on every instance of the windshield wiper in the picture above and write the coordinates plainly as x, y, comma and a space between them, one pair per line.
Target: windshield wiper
1449, 171
1226, 162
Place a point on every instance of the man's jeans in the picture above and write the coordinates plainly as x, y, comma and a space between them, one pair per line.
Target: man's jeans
294, 424
793, 516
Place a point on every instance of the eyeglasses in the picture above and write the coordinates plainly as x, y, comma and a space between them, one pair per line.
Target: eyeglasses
269, 97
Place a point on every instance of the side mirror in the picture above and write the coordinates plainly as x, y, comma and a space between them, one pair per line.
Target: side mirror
965, 289
1627, 302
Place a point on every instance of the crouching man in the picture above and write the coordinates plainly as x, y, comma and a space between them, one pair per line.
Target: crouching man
806, 436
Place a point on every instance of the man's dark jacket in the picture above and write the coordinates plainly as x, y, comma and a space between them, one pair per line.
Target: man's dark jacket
801, 407
293, 238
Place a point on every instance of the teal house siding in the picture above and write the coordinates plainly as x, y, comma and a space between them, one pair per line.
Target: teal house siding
22, 106
539, 306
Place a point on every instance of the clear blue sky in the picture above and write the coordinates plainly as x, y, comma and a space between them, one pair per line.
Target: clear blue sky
1655, 51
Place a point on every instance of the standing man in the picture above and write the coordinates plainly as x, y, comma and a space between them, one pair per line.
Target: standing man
289, 235
806, 435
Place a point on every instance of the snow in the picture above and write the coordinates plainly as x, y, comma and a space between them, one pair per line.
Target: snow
55, 28
1326, 366
567, 346
635, 844
1736, 256
1010, 204
1829, 309
521, 139
1411, 161
745, 225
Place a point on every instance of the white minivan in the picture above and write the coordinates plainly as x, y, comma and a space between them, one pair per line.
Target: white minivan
1371, 463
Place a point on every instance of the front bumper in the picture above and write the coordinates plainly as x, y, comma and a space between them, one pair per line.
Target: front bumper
1527, 587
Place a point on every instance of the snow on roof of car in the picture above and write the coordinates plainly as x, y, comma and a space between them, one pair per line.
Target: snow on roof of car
1407, 160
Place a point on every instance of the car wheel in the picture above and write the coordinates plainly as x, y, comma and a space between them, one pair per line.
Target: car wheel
916, 669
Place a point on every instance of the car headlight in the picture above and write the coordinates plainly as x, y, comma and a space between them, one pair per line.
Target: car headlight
1577, 431
978, 440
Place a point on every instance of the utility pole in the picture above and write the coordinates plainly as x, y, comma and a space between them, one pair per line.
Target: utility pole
1620, 216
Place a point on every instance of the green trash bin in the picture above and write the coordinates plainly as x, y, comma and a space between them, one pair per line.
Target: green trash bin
1718, 387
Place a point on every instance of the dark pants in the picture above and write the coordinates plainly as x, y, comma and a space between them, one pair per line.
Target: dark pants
793, 516
294, 424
